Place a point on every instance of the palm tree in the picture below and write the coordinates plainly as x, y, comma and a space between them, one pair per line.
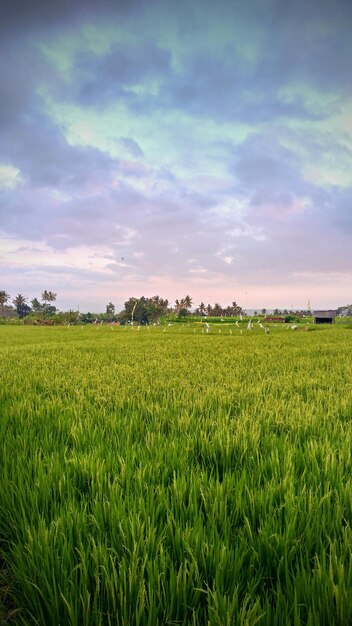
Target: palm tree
21, 307
178, 305
48, 296
217, 309
19, 300
187, 302
45, 297
4, 297
237, 309
202, 308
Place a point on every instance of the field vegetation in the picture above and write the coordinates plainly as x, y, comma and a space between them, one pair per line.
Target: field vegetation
173, 476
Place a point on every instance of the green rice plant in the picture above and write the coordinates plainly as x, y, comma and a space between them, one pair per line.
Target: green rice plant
176, 477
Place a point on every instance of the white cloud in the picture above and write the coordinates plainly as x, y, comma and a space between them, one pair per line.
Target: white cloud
10, 176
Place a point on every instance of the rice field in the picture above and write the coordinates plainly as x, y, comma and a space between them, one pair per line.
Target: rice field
176, 478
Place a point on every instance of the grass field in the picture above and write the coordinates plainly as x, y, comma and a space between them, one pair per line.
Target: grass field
176, 477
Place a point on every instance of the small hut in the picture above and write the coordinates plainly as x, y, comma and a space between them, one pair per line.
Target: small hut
324, 317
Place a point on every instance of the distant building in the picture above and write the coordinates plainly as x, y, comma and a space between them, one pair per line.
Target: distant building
324, 317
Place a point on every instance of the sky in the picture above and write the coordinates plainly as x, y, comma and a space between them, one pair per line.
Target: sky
172, 148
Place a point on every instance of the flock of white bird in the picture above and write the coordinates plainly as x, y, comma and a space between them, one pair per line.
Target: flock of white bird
206, 326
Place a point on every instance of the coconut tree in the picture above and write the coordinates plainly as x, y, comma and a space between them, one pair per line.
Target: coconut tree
20, 303
178, 305
48, 296
4, 297
19, 299
45, 297
237, 309
187, 302
217, 309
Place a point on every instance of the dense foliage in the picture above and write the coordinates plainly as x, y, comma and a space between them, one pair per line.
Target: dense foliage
173, 476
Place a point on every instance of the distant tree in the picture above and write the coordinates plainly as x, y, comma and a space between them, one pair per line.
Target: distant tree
158, 306
178, 305
37, 307
344, 311
48, 296
187, 302
217, 309
4, 298
201, 309
87, 318
209, 309
110, 309
144, 310
263, 311
50, 309
70, 317
19, 302
237, 309
45, 297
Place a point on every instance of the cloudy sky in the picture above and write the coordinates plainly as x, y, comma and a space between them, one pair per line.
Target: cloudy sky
162, 147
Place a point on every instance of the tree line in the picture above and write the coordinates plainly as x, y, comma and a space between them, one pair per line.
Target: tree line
21, 307
142, 310
145, 310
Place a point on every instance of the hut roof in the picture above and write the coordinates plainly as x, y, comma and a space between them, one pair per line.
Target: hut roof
325, 314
